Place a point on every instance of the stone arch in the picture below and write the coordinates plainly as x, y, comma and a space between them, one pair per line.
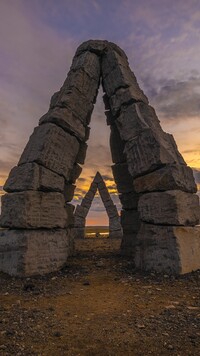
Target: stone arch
82, 210
156, 187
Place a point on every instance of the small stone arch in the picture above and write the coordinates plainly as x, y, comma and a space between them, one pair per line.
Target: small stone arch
156, 187
81, 212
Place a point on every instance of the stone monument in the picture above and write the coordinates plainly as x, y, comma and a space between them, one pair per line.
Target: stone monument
115, 230
160, 209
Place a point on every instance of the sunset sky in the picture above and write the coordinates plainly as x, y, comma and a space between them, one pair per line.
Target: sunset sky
38, 39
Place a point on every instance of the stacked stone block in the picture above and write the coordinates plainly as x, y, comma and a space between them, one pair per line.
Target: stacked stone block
83, 209
161, 184
37, 217
156, 187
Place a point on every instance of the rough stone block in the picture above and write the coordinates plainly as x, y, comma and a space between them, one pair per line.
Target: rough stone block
145, 153
53, 148
75, 173
115, 234
112, 211
69, 191
168, 249
93, 187
31, 176
170, 177
64, 118
79, 221
122, 77
122, 178
89, 62
90, 195
69, 99
116, 146
97, 178
99, 47
82, 153
25, 253
130, 123
114, 223
80, 80
86, 203
108, 203
79, 233
70, 214
33, 210
124, 97
81, 211
129, 200
130, 221
111, 59
172, 207
128, 244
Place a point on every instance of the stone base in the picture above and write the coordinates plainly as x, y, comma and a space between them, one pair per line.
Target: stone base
79, 232
168, 249
115, 234
34, 252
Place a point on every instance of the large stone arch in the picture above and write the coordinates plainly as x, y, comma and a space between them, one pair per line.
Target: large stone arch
81, 212
156, 187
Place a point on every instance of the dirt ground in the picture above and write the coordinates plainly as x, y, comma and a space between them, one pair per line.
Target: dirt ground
98, 305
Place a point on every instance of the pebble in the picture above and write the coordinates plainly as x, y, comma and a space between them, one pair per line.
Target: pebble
86, 283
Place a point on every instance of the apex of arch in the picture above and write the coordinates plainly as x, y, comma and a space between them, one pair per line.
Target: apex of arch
99, 47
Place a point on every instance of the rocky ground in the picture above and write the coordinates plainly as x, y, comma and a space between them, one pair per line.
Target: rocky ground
98, 305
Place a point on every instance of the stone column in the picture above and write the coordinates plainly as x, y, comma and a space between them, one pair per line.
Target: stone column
158, 199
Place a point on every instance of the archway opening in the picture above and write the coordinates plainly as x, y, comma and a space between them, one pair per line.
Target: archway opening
98, 158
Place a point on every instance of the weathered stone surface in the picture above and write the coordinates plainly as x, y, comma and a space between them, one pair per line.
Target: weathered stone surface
129, 200
31, 176
169, 177
75, 173
172, 207
168, 249
122, 77
116, 146
97, 178
112, 211
90, 195
97, 47
81, 211
144, 153
64, 118
128, 244
129, 123
130, 221
105, 196
93, 187
111, 59
79, 221
70, 214
79, 232
124, 97
110, 120
52, 147
33, 210
114, 223
122, 178
69, 191
81, 153
89, 62
69, 99
31, 252
115, 234
80, 80
86, 203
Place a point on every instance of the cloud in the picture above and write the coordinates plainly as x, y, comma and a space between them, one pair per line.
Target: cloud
176, 99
